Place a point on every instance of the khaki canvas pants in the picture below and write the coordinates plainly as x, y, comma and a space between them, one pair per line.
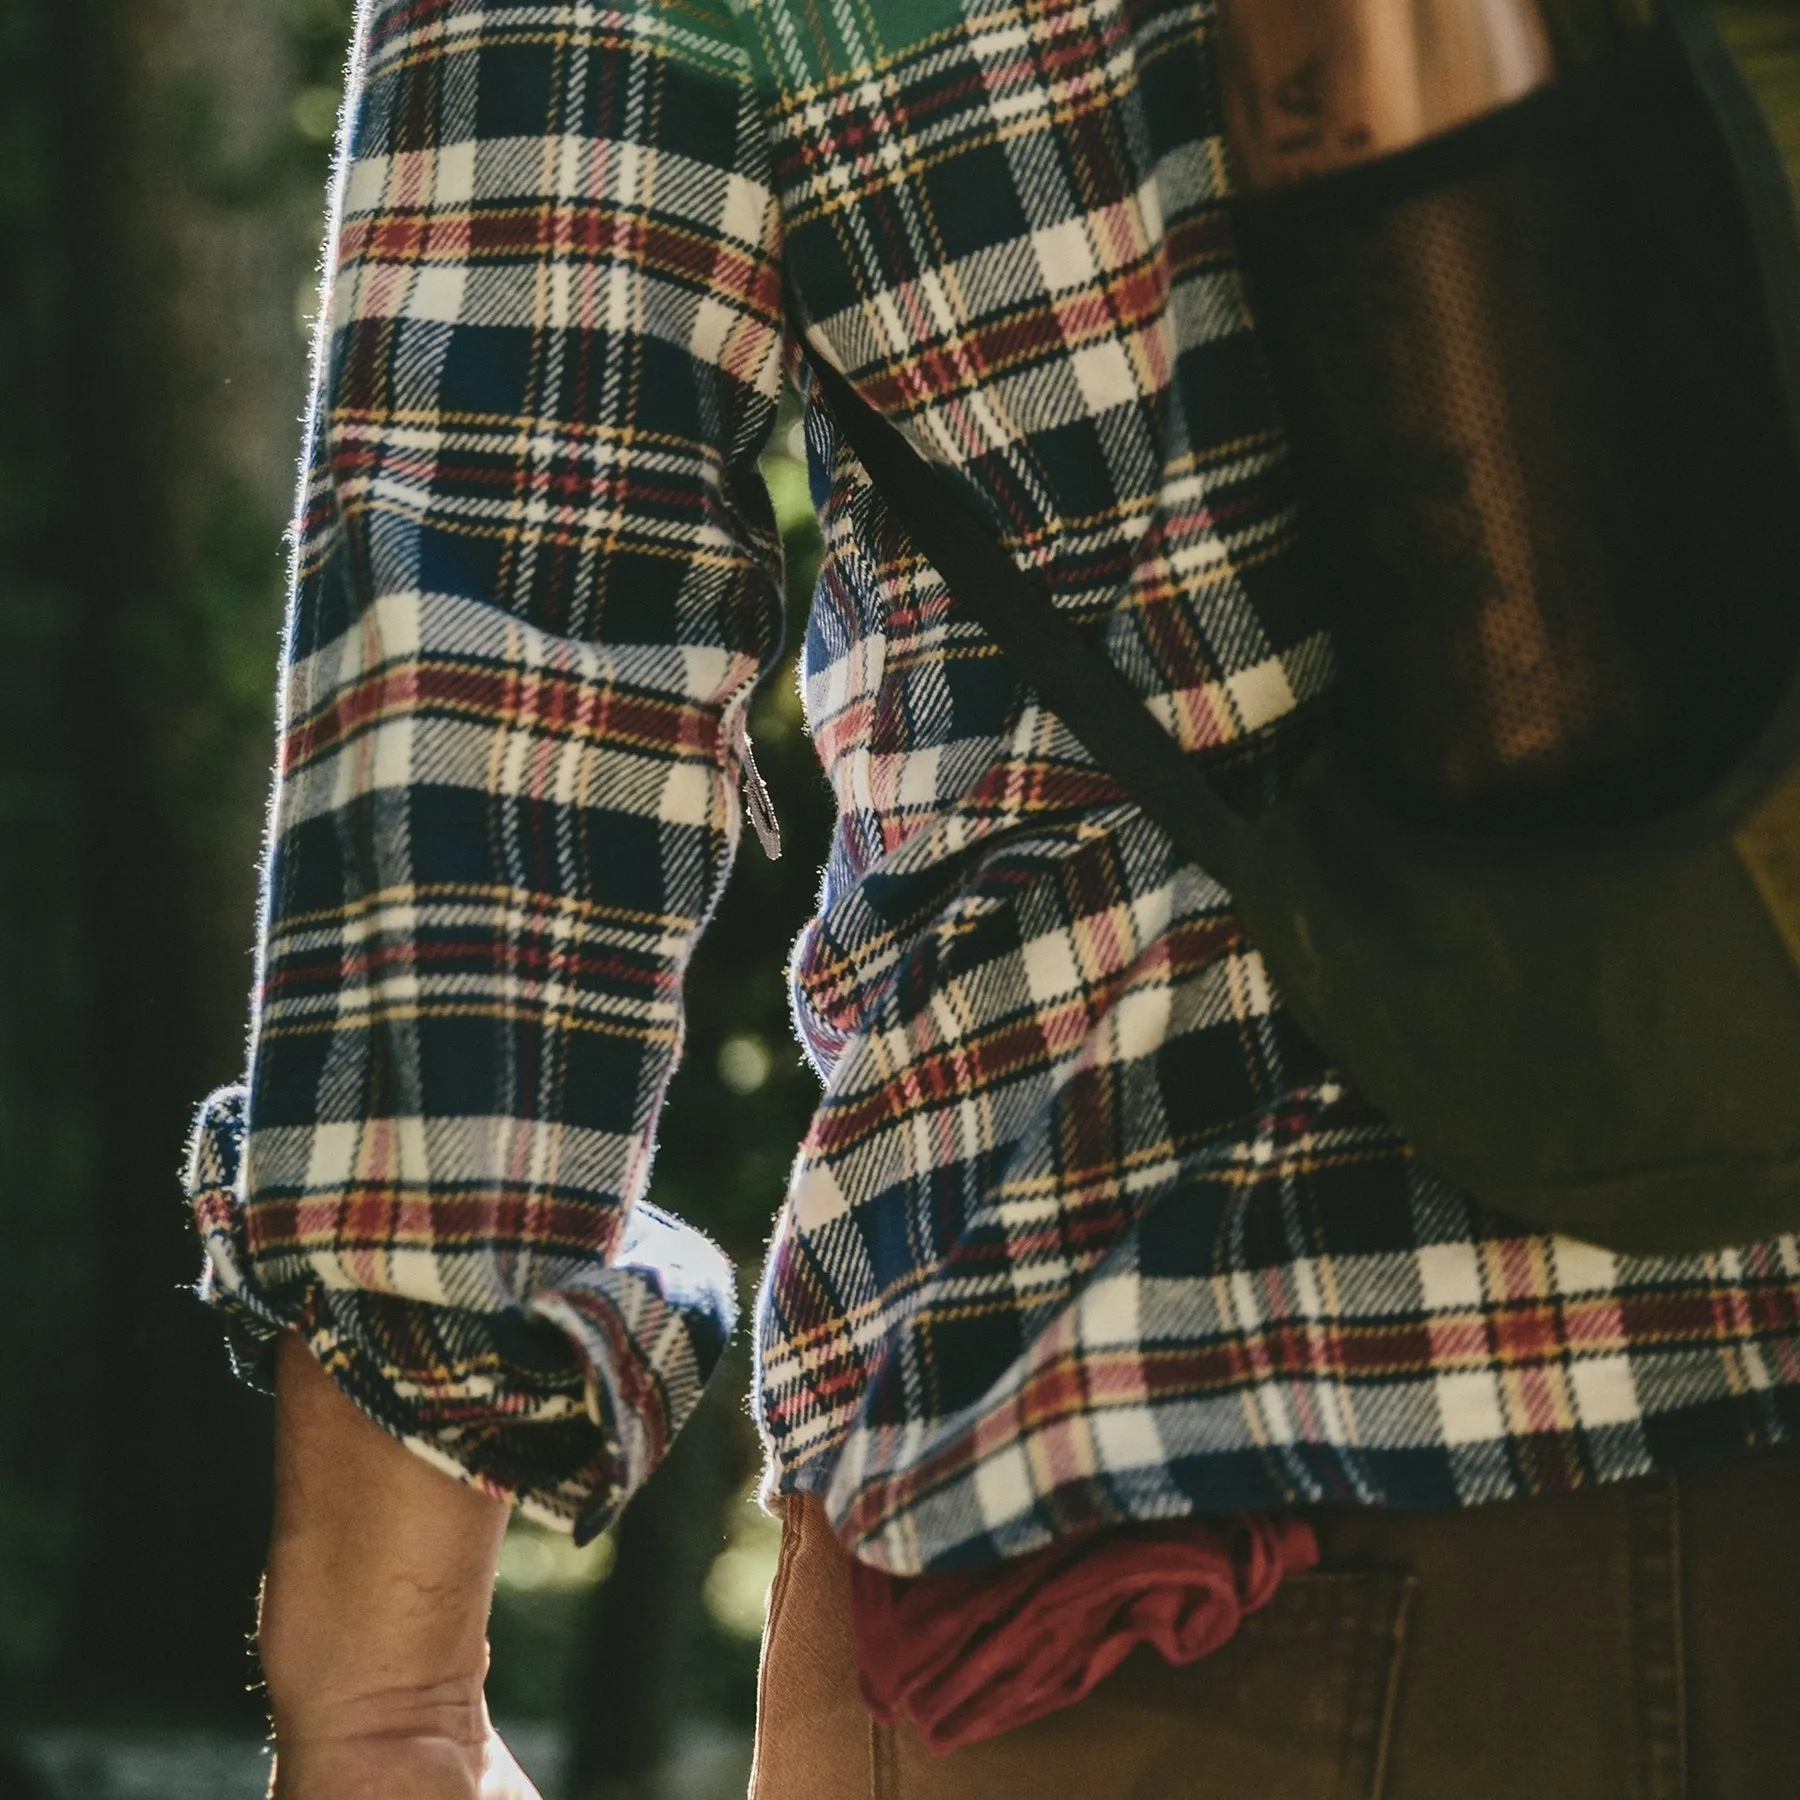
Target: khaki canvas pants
1635, 1642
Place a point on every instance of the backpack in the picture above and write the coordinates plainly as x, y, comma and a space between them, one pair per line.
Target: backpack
1547, 919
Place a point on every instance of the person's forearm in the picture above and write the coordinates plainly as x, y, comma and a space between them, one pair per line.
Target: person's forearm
374, 1614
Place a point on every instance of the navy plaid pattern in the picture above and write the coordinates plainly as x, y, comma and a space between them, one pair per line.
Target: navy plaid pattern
537, 576
1084, 1230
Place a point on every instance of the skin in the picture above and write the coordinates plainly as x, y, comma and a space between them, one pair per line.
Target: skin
373, 1627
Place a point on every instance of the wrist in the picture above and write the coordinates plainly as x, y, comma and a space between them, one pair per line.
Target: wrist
351, 1652
377, 1769
380, 1574
324, 1722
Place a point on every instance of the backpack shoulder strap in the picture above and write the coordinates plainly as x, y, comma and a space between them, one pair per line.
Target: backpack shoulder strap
1071, 674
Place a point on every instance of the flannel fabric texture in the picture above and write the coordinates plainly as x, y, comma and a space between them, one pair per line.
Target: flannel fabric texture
1083, 1230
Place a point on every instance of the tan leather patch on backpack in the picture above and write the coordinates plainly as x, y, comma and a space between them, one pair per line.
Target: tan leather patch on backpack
1770, 848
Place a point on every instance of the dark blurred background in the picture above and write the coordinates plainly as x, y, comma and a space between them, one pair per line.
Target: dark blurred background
162, 173
162, 167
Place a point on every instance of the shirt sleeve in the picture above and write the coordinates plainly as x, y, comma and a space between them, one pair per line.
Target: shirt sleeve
536, 576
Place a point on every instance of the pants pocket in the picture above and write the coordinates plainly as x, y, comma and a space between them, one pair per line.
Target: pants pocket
1298, 1706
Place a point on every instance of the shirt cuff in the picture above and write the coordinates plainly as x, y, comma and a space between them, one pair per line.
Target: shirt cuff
563, 1404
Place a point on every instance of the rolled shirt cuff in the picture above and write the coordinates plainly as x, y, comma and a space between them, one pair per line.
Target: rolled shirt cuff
563, 1403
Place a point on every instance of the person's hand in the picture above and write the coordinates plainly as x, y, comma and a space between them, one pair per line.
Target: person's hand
373, 1628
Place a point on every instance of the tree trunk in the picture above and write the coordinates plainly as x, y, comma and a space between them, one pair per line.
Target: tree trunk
171, 215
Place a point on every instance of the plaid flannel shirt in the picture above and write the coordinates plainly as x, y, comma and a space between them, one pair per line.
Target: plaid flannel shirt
1083, 1230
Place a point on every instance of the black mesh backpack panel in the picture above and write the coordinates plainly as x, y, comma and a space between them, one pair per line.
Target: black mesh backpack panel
1562, 560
